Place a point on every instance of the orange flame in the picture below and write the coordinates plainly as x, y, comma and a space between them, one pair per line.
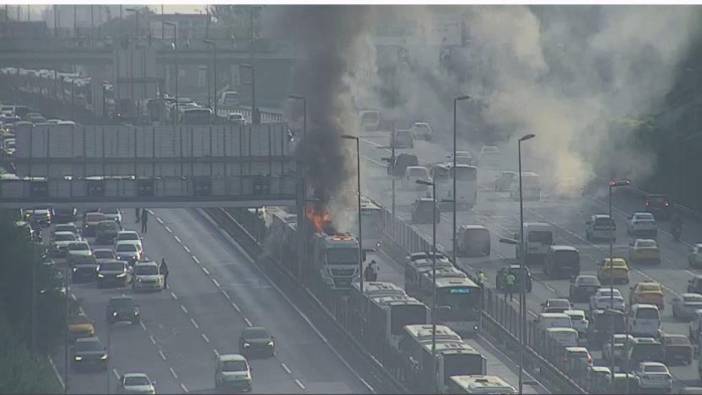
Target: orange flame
319, 218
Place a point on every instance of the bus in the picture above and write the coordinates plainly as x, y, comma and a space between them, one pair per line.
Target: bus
372, 223
479, 384
466, 185
473, 241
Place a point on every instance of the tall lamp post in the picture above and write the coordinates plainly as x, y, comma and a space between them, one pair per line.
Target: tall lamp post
522, 268
455, 194
612, 184
358, 186
174, 45
214, 72
303, 246
131, 57
254, 118
433, 272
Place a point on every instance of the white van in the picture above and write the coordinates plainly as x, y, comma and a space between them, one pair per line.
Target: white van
414, 174
531, 187
644, 320
554, 320
538, 239
567, 337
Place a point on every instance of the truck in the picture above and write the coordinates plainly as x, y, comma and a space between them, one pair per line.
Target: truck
335, 260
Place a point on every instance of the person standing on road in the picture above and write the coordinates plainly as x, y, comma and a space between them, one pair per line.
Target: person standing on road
144, 220
164, 270
510, 280
137, 215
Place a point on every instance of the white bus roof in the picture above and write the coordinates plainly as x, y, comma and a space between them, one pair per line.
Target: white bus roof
478, 384
378, 288
422, 333
452, 347
454, 282
473, 227
537, 226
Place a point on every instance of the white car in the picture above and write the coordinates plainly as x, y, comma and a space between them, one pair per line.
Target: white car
59, 246
422, 130
644, 251
129, 250
489, 156
642, 224
653, 376
601, 299
566, 337
685, 305
136, 383
694, 259
553, 320
127, 235
580, 323
147, 276
462, 158
414, 174
113, 214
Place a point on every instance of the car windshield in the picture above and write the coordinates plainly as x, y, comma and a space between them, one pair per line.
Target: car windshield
256, 333
146, 270
129, 236
588, 281
136, 381
656, 369
126, 247
64, 228
693, 298
650, 288
122, 302
577, 316
89, 346
416, 172
604, 221
108, 225
112, 266
111, 211
94, 217
678, 340
558, 303
79, 247
605, 299
644, 217
647, 244
103, 254
65, 237
579, 354
234, 366
647, 314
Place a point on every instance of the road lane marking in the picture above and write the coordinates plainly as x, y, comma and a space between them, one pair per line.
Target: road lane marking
236, 307
173, 295
160, 221
178, 239
248, 323
216, 353
183, 387
195, 259
186, 248
173, 373
204, 337
286, 368
141, 323
215, 283
168, 229
192, 320
73, 296
163, 356
184, 309
204, 269
116, 374
299, 384
153, 339
56, 372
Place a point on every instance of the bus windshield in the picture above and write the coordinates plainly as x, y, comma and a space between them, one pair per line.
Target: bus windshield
465, 173
342, 256
464, 302
462, 364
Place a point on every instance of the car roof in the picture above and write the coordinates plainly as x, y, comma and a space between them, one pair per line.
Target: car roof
135, 375
554, 315
650, 363
639, 306
686, 294
646, 240
600, 215
563, 248
574, 311
564, 330
473, 227
581, 276
645, 340
576, 349
64, 232
254, 328
231, 357
146, 263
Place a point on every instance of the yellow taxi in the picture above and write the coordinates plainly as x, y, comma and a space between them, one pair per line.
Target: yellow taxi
79, 327
648, 292
617, 271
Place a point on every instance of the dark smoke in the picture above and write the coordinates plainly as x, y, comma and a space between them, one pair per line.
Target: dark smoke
327, 39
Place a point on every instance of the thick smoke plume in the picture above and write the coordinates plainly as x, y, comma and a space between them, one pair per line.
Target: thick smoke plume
329, 41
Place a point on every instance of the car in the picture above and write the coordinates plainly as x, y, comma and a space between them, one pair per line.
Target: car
129, 250
694, 258
615, 271
644, 320
112, 273
40, 217
106, 231
562, 261
102, 254
650, 292
402, 139
489, 156
505, 181
642, 224
576, 360
566, 337
473, 241
555, 305
616, 352
643, 349
606, 298
113, 214
62, 215
685, 305
580, 323
136, 383
695, 284
644, 251
599, 380
658, 205
653, 376
90, 221
695, 327
600, 227
233, 371
582, 287
397, 167
236, 118
127, 235
516, 270
59, 246
462, 158
422, 131
677, 348
414, 174
89, 352
79, 252
553, 320
84, 271
80, 326
147, 276
422, 211
67, 227
256, 340
624, 383
122, 308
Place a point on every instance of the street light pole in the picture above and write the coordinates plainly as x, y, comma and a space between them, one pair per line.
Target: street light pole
66, 361
522, 268
214, 72
455, 194
175, 51
612, 184
433, 276
358, 186
254, 119
303, 223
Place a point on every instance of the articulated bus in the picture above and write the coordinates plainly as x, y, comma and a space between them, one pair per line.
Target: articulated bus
479, 384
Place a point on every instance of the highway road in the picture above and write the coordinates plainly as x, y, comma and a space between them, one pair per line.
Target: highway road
214, 292
500, 215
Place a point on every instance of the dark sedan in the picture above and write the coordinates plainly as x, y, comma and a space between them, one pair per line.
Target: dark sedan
256, 341
64, 215
582, 287
112, 273
122, 308
84, 272
89, 353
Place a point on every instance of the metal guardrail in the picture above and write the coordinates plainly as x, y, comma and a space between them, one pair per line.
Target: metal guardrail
248, 232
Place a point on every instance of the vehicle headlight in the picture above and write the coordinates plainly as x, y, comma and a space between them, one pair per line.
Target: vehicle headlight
270, 343
114, 314
121, 275
247, 344
101, 275
78, 358
139, 279
103, 357
75, 269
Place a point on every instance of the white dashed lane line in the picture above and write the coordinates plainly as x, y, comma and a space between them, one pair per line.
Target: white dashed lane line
215, 283
163, 356
160, 221
173, 295
141, 323
184, 388
153, 340
184, 309
169, 229
116, 373
205, 338
286, 368
299, 384
204, 269
178, 239
195, 259
173, 373
192, 320
248, 323
186, 248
